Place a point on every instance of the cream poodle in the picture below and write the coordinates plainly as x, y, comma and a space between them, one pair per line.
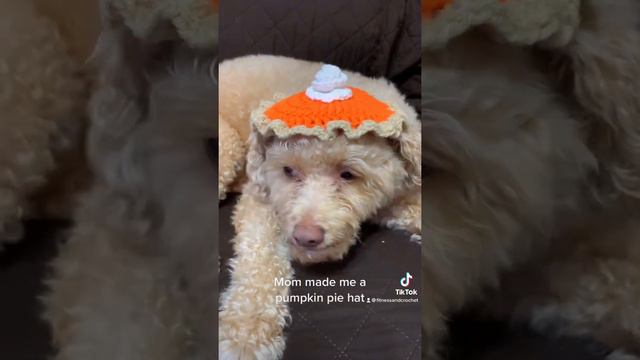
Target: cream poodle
533, 181
305, 197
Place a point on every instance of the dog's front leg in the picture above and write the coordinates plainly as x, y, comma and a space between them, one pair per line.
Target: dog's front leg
231, 159
252, 311
404, 214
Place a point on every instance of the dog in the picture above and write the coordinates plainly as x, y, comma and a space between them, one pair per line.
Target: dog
305, 198
531, 199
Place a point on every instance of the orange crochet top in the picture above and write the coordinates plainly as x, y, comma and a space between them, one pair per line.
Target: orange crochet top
300, 110
328, 108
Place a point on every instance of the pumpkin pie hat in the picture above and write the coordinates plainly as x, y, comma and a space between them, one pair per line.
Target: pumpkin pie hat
327, 108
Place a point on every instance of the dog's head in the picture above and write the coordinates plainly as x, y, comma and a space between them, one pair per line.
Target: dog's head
324, 181
322, 190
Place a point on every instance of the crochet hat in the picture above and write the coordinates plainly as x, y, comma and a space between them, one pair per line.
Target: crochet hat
326, 109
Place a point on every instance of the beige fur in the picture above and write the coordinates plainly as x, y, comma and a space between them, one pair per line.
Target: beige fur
536, 187
385, 187
41, 110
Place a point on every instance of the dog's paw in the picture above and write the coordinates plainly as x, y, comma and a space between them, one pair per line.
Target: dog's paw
404, 224
232, 350
416, 238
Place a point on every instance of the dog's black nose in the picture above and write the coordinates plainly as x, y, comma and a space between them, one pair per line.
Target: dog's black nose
308, 236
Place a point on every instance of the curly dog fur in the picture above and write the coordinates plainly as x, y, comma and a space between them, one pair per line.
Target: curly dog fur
275, 201
534, 171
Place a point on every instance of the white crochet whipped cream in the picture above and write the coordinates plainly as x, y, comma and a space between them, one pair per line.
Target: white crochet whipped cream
329, 85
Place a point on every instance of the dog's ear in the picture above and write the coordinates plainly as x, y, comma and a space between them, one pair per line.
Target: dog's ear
255, 159
410, 144
603, 60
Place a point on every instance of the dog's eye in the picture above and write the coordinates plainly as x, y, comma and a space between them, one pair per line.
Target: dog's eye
347, 175
289, 172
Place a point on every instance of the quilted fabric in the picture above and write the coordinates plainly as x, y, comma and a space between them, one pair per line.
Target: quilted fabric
374, 37
352, 331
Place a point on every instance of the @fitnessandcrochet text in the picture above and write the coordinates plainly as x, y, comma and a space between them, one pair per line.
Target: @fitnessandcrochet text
337, 291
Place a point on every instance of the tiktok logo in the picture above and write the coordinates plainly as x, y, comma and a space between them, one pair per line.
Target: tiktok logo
406, 280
